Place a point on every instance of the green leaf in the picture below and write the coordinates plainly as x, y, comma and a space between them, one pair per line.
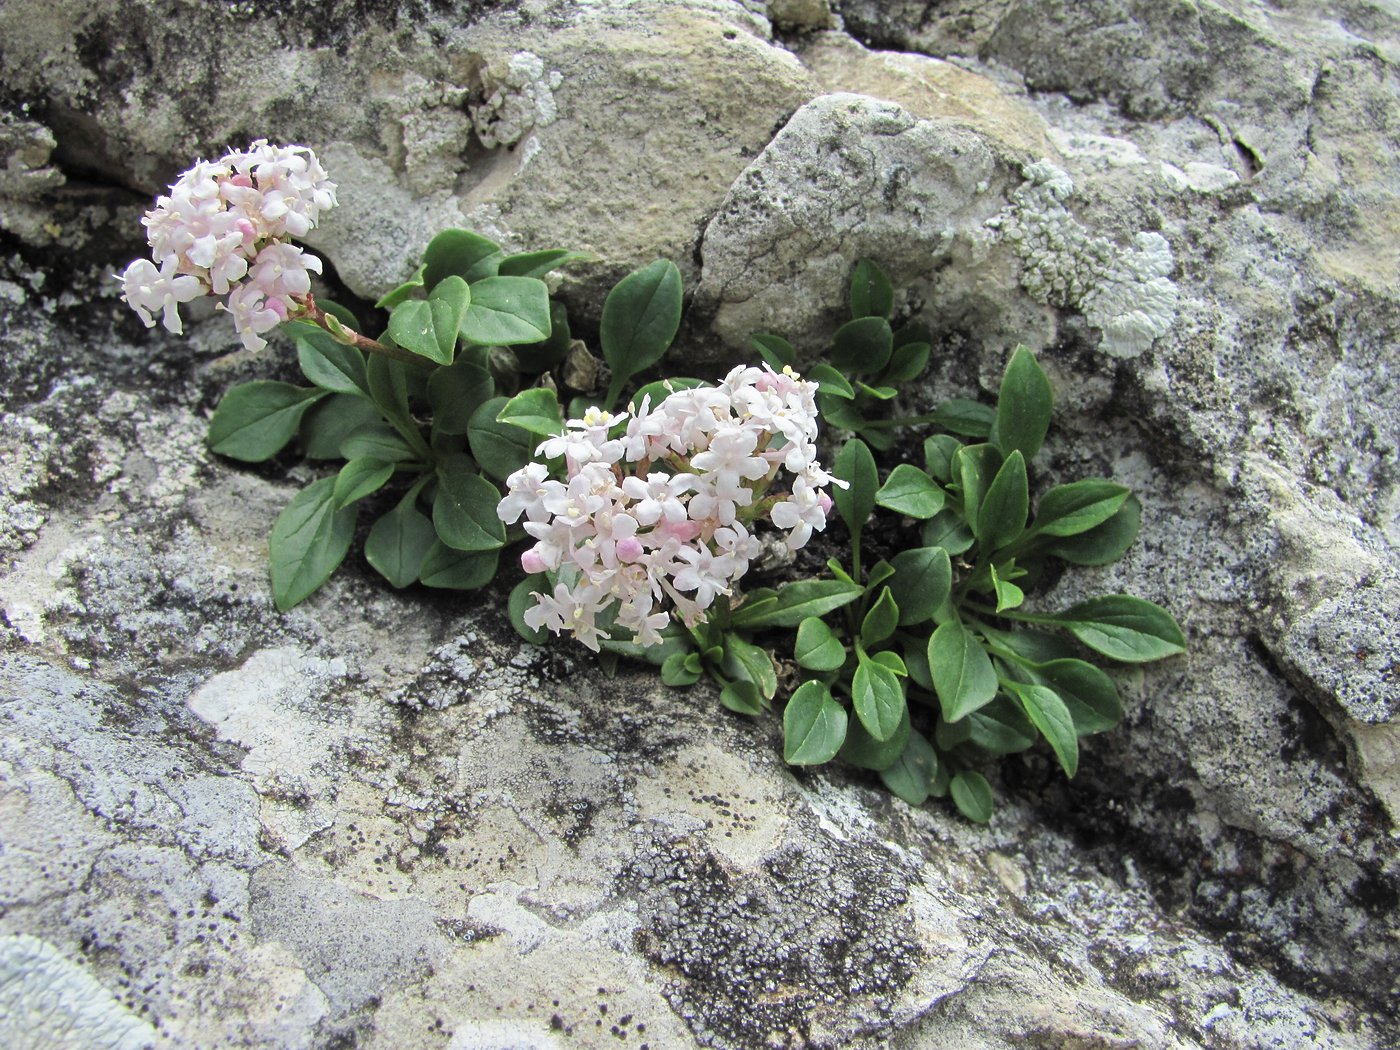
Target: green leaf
746, 661
1088, 693
1024, 406
309, 540
879, 698
332, 365
676, 673
398, 542
254, 421
505, 311
360, 477
855, 465
972, 795
916, 664
963, 676
880, 393
1125, 628
817, 648
536, 410
881, 620
878, 574
863, 750
454, 393
404, 291
521, 599
891, 659
830, 381
862, 346
1001, 517
975, 467
456, 570
1068, 510
641, 316
1000, 728
428, 327
1105, 543
968, 418
839, 411
814, 726
796, 602
1045, 708
947, 530
538, 264
741, 696
1008, 595
774, 349
537, 358
388, 387
907, 362
376, 440
462, 253
1033, 646
912, 774
911, 492
330, 421
939, 451
464, 510
499, 448
871, 294
922, 582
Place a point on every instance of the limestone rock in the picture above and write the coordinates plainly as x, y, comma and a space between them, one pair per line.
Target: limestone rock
382, 820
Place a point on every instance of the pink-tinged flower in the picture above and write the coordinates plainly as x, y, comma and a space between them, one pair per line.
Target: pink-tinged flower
281, 270
226, 221
661, 517
149, 290
253, 314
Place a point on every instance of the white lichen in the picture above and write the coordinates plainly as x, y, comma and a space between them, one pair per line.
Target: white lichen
522, 100
1124, 292
46, 1001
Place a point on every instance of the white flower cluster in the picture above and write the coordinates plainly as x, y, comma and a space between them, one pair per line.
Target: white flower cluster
228, 220
657, 507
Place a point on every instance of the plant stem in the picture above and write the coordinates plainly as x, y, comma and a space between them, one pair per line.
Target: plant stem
359, 340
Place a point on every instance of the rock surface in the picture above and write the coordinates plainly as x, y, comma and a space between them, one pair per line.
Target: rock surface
382, 821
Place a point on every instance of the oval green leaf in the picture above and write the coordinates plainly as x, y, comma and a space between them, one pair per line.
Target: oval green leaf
972, 795
462, 253
360, 477
499, 448
464, 510
862, 346
399, 541
1048, 712
254, 421
309, 540
507, 310
814, 726
641, 316
1125, 628
817, 648
911, 492
456, 570
871, 294
963, 676
1001, 516
922, 582
912, 775
536, 410
879, 699
1024, 405
881, 621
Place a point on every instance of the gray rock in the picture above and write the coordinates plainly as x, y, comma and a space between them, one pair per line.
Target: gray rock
381, 819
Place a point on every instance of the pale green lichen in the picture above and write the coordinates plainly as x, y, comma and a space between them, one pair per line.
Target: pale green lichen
1124, 292
523, 99
46, 1002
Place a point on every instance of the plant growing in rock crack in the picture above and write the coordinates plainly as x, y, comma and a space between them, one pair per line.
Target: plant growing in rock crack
926, 663
447, 402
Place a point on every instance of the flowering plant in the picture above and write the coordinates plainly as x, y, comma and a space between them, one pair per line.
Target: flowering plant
644, 517
659, 505
224, 229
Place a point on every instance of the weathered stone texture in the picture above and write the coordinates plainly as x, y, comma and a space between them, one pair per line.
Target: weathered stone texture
382, 821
